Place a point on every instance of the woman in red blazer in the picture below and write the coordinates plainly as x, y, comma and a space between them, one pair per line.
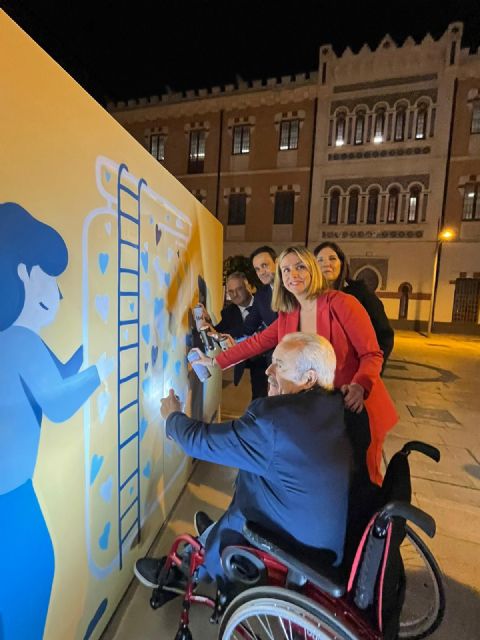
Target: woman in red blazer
304, 303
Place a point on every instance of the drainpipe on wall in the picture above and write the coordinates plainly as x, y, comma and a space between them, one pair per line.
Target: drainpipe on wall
219, 165
312, 159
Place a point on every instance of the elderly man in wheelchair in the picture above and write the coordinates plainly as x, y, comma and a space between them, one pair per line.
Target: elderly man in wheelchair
284, 564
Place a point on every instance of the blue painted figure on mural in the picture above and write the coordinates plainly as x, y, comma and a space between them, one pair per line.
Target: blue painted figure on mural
33, 382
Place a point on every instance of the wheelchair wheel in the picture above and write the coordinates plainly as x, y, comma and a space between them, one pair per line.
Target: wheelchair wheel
273, 613
424, 605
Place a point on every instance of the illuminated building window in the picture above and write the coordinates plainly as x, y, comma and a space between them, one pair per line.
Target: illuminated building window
241, 139
379, 126
196, 156
157, 146
421, 125
413, 204
393, 197
359, 128
237, 208
400, 124
334, 206
284, 207
372, 206
340, 130
289, 130
471, 202
475, 125
353, 206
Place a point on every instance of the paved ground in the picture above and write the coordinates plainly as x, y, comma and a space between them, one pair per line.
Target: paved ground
435, 385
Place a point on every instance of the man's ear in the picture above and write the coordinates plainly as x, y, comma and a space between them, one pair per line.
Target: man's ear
310, 378
22, 272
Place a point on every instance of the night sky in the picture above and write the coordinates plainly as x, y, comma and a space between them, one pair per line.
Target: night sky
119, 50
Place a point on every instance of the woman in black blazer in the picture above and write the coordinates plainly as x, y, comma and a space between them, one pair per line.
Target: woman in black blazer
334, 266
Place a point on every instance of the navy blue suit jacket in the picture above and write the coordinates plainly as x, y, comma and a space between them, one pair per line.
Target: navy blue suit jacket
261, 314
294, 461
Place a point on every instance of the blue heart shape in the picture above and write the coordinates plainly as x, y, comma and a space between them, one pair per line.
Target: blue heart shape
146, 290
158, 304
132, 306
103, 259
144, 257
167, 279
143, 427
104, 538
146, 386
146, 333
95, 466
154, 354
164, 359
178, 367
102, 304
125, 335
169, 254
106, 489
147, 470
174, 342
145, 365
130, 491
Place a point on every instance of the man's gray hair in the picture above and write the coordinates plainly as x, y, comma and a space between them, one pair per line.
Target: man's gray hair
313, 352
239, 275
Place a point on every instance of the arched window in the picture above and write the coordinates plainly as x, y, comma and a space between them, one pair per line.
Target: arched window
334, 206
369, 277
372, 206
359, 127
405, 289
400, 118
353, 206
340, 130
393, 197
475, 124
421, 125
413, 204
379, 126
471, 202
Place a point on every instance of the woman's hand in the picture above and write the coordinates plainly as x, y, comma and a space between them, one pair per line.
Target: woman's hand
202, 358
226, 338
353, 396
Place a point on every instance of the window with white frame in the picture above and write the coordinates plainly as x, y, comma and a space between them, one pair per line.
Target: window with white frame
359, 127
379, 126
353, 206
241, 139
413, 204
340, 130
157, 146
196, 157
334, 207
284, 207
471, 202
475, 124
372, 206
421, 124
393, 198
289, 131
237, 208
400, 118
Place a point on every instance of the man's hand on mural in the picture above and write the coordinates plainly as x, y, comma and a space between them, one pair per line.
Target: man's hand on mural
170, 404
104, 366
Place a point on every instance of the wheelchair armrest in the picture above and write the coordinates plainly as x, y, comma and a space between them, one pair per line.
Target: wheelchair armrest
422, 447
314, 564
407, 511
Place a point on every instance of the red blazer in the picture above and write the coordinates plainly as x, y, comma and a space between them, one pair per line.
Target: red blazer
343, 321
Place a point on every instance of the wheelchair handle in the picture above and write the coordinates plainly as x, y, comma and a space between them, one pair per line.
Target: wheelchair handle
407, 511
421, 447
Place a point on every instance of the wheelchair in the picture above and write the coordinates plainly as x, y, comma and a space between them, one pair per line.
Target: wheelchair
276, 590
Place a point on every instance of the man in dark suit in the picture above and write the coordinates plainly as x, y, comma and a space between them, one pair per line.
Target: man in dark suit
261, 314
291, 450
233, 320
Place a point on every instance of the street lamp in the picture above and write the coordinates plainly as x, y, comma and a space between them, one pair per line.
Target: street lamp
443, 236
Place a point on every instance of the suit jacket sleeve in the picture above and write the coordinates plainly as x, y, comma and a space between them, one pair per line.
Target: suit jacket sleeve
358, 328
241, 443
253, 321
253, 346
231, 322
375, 309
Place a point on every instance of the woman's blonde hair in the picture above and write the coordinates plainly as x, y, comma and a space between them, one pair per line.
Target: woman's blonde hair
283, 300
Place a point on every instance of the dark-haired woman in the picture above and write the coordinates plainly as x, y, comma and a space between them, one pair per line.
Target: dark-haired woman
334, 266
33, 382
305, 303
